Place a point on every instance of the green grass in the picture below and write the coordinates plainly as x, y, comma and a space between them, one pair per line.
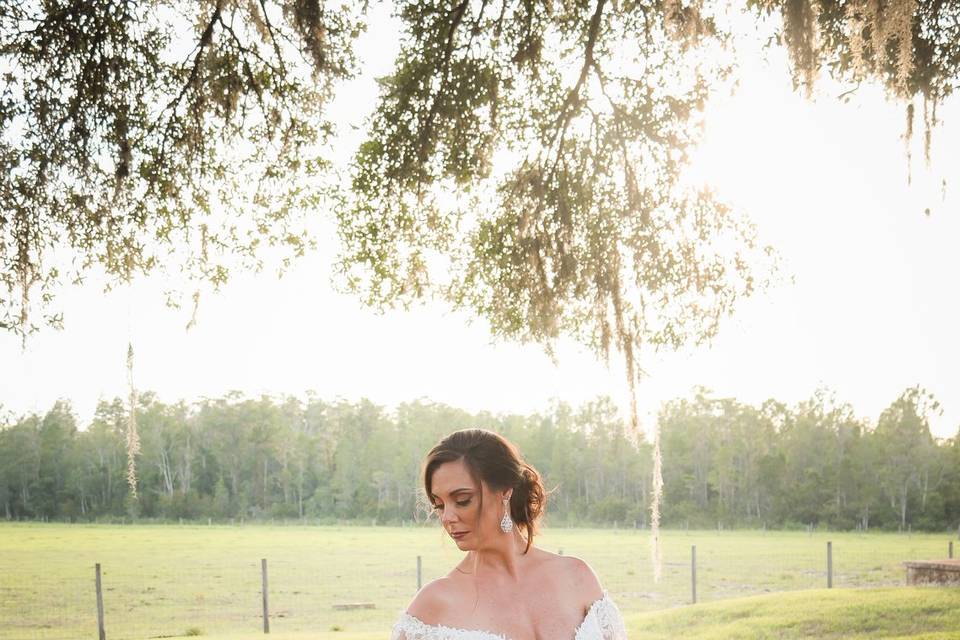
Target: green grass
915, 613
166, 580
904, 612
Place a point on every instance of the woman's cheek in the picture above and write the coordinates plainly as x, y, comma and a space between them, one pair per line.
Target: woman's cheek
472, 513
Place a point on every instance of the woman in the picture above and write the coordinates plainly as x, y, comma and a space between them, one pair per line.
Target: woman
490, 502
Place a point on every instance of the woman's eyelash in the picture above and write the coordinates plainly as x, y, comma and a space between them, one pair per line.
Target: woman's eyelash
459, 504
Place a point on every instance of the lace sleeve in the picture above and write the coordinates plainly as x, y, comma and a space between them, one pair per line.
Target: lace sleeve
611, 622
409, 627
405, 629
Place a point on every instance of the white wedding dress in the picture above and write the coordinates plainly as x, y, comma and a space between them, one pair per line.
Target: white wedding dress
602, 622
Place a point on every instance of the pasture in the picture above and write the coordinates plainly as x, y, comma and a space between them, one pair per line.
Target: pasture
169, 580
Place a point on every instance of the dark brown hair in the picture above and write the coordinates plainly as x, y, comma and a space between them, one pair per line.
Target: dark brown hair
497, 462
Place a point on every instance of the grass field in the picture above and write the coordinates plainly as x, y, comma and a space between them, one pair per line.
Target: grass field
903, 612
166, 580
900, 613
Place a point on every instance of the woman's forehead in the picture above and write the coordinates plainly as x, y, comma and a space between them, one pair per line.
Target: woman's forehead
450, 477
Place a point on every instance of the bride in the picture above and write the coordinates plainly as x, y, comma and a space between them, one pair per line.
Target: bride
490, 502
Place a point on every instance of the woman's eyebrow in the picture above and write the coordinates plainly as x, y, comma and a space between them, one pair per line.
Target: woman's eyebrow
455, 491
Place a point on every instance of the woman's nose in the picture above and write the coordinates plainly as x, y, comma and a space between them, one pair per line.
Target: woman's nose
448, 515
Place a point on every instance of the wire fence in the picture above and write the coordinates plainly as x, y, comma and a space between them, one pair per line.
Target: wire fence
210, 581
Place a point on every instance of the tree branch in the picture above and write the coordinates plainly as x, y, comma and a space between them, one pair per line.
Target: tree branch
568, 109
457, 17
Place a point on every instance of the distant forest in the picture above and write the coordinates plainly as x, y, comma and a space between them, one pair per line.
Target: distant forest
725, 463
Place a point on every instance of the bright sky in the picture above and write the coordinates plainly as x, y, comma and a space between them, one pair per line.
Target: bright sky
873, 307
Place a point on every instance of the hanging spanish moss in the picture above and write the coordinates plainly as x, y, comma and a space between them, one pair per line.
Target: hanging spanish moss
907, 138
911, 47
929, 122
854, 15
133, 439
25, 272
193, 314
26, 282
891, 23
899, 17
800, 35
656, 554
879, 36
687, 24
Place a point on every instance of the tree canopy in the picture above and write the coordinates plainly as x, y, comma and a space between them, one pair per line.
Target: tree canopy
726, 463
524, 160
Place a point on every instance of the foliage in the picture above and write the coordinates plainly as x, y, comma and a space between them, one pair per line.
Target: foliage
524, 161
134, 136
725, 463
813, 464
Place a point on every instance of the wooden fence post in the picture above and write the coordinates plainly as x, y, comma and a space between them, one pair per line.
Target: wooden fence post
693, 573
829, 565
419, 573
266, 607
100, 628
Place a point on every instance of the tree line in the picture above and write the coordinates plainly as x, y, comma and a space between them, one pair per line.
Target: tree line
725, 463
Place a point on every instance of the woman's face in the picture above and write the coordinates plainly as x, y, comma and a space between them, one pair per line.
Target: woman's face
456, 499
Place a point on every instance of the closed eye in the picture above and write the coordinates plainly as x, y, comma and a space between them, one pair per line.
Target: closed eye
438, 507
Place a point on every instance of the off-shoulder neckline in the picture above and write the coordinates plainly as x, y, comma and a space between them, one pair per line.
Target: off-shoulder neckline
593, 606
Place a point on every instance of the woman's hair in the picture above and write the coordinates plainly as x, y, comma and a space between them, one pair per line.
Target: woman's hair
496, 461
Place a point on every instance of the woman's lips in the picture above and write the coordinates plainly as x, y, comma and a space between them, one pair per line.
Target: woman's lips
458, 534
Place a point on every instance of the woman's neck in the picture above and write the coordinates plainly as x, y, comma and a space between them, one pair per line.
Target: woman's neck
504, 558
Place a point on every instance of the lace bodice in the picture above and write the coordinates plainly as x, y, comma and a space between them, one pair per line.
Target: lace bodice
602, 622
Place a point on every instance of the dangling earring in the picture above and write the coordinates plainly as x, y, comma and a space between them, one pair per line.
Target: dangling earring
506, 524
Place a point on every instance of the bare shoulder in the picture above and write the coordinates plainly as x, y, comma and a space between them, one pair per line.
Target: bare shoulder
585, 579
577, 577
433, 601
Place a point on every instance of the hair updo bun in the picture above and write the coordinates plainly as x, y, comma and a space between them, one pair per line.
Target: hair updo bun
497, 462
529, 497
